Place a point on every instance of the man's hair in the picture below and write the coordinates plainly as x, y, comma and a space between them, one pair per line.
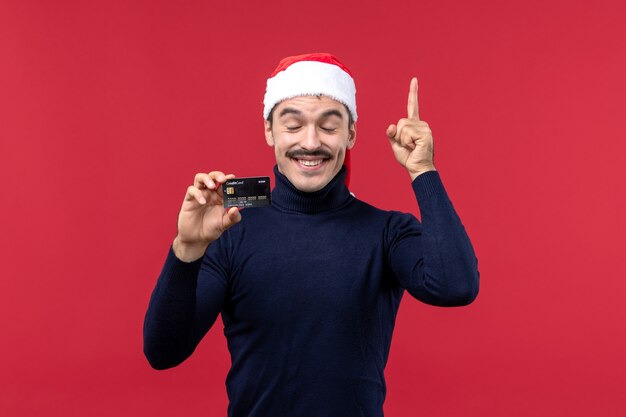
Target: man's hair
350, 118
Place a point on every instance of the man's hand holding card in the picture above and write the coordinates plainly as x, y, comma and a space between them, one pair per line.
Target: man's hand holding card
203, 217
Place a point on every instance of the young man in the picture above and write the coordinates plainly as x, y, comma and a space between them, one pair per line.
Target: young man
309, 287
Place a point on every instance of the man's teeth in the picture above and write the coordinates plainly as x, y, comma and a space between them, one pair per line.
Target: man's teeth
308, 163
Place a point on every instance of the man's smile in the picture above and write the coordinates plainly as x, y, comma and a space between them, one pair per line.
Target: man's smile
310, 163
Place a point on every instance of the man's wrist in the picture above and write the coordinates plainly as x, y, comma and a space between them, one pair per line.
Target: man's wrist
416, 173
188, 252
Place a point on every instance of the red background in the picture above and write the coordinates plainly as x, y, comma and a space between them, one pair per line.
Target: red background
108, 109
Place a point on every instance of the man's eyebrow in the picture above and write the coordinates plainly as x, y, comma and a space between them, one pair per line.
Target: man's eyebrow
333, 112
289, 110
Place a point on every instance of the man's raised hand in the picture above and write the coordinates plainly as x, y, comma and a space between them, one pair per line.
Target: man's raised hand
203, 218
411, 139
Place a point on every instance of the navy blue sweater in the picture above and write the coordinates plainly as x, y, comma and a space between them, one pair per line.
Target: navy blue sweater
308, 289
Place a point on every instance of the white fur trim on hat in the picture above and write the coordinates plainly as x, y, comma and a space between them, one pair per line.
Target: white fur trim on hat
307, 78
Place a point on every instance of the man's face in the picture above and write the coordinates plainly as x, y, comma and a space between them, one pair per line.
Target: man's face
310, 135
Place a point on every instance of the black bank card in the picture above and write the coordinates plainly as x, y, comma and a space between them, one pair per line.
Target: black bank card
247, 192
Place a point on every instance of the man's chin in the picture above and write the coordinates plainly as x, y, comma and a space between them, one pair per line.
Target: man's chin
307, 180
309, 185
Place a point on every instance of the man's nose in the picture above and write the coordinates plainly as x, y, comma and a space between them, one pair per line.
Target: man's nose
311, 138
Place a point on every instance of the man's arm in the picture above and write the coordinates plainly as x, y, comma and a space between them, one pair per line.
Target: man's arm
191, 288
434, 261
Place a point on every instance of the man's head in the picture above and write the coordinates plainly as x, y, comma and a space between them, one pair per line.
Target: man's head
310, 113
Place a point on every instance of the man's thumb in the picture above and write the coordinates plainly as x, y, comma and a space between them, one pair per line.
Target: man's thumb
231, 218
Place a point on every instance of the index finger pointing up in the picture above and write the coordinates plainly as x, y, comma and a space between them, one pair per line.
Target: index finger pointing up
413, 106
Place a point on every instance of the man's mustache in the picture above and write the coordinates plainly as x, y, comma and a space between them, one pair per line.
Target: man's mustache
303, 152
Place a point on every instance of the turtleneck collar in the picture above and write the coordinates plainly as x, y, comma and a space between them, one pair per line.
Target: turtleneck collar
287, 197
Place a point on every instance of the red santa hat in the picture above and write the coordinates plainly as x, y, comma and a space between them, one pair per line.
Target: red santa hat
312, 74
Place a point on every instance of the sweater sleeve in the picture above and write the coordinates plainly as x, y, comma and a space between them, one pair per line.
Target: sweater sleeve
185, 303
433, 260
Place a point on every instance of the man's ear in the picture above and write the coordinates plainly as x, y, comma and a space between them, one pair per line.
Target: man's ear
269, 138
352, 136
